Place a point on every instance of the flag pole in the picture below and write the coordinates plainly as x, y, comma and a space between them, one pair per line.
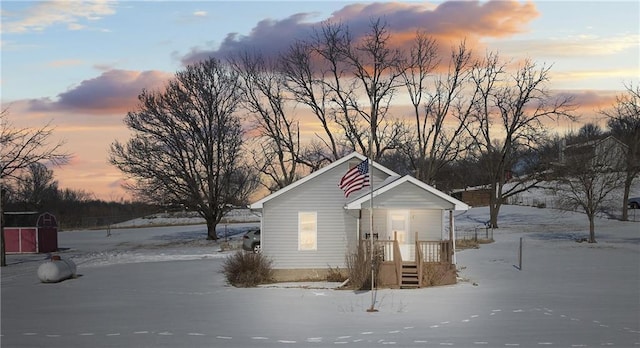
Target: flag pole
371, 244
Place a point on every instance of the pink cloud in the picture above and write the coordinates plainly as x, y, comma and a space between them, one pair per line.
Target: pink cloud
590, 100
448, 23
114, 91
269, 37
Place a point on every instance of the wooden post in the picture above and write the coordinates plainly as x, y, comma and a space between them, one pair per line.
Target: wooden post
520, 255
452, 238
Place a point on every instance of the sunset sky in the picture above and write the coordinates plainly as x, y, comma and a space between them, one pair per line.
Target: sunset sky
81, 65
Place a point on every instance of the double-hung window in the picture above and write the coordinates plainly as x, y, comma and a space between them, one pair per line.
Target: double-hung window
307, 231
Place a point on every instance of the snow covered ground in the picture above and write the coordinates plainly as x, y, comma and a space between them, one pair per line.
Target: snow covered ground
162, 287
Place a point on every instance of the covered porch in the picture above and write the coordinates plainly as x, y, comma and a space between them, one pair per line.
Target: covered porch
407, 228
432, 264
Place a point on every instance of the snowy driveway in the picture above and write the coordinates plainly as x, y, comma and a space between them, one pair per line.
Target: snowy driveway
568, 294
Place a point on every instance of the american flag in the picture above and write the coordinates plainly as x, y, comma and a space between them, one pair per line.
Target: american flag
355, 179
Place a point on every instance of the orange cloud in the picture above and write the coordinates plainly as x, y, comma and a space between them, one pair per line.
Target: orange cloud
590, 99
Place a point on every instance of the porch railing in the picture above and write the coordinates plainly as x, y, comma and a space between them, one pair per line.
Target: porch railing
419, 260
435, 251
389, 251
426, 251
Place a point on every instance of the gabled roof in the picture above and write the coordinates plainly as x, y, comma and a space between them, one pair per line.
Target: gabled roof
395, 182
258, 204
597, 142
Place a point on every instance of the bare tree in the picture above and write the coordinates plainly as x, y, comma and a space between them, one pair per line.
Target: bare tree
276, 147
509, 116
590, 172
36, 187
348, 85
305, 81
375, 65
441, 114
330, 47
187, 144
624, 123
19, 149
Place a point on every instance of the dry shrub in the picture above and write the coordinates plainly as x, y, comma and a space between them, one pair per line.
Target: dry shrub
335, 275
359, 268
433, 274
245, 270
462, 244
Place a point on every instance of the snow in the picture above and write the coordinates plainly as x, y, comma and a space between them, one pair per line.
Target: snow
188, 218
161, 286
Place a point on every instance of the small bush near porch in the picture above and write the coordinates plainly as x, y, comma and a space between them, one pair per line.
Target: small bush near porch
437, 274
359, 268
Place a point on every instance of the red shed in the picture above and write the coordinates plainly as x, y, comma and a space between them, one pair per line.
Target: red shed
30, 232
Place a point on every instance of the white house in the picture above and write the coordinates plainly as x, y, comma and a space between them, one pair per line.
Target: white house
608, 152
310, 226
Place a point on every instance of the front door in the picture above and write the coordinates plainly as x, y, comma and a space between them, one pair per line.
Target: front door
398, 223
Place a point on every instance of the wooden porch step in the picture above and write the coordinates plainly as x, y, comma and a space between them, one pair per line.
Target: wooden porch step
409, 278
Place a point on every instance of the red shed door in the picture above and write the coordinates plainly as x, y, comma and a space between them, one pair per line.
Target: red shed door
12, 240
29, 240
20, 240
47, 239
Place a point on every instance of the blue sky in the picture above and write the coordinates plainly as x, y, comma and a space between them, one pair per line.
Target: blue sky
81, 65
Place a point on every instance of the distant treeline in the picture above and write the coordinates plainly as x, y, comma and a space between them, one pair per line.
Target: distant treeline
74, 209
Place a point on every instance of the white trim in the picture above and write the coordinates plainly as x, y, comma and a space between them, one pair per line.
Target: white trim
258, 205
357, 203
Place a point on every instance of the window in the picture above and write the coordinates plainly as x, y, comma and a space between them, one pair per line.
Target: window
307, 231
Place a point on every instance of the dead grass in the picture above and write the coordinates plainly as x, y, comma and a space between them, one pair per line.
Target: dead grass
433, 275
335, 275
462, 244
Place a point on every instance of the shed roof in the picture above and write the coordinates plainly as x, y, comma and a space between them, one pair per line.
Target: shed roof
29, 219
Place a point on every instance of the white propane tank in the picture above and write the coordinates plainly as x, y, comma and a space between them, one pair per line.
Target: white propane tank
56, 270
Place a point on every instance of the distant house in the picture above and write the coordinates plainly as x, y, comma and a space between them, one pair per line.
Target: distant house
474, 196
608, 152
310, 226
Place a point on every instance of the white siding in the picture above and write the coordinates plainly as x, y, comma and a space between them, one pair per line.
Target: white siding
427, 223
425, 216
379, 222
337, 228
409, 196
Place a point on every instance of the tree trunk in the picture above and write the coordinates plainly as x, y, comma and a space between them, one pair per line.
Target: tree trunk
592, 229
211, 229
494, 206
3, 255
494, 209
627, 187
